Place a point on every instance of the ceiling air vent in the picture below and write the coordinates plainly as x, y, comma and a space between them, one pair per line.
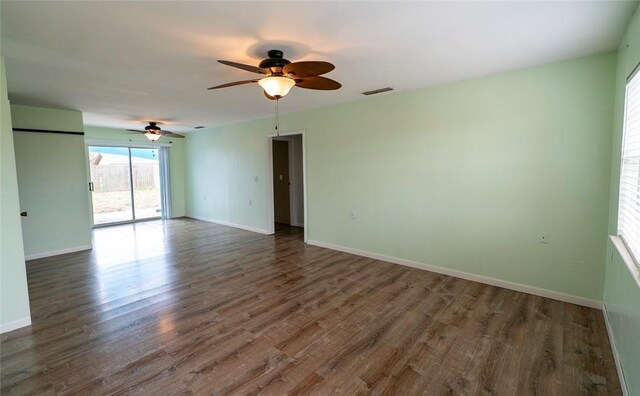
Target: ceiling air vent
377, 91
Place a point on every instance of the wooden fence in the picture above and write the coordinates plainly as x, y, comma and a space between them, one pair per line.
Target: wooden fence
115, 177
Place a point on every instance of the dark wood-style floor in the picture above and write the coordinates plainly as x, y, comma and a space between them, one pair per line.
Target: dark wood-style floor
187, 307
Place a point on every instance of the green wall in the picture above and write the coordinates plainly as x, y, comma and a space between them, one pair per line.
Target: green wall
622, 291
52, 178
462, 176
52, 181
221, 167
176, 160
14, 297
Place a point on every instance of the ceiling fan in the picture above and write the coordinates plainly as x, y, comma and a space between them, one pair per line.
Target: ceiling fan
153, 132
280, 75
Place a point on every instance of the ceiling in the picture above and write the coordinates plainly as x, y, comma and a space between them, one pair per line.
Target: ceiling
119, 62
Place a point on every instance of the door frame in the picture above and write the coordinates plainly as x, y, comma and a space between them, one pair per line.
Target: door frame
270, 200
117, 143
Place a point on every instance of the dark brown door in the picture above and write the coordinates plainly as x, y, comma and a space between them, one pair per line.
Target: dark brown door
281, 208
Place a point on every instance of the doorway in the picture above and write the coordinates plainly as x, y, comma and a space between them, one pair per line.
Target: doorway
126, 184
281, 184
287, 184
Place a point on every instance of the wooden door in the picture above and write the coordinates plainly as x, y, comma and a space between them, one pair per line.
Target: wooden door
281, 204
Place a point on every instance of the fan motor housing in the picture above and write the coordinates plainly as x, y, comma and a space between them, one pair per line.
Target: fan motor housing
275, 59
152, 127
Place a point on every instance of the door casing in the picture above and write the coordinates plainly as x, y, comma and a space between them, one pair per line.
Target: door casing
269, 176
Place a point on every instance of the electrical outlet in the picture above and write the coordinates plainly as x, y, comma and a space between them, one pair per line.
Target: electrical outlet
250, 202
543, 237
255, 179
352, 214
205, 197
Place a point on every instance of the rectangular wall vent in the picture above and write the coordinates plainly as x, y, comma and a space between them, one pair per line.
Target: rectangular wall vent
377, 91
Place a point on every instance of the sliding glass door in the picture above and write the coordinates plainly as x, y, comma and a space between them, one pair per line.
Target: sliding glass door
145, 166
126, 184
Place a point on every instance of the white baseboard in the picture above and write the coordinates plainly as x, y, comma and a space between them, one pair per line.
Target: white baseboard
614, 350
58, 252
466, 275
16, 324
225, 223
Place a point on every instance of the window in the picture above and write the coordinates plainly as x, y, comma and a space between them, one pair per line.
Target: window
629, 205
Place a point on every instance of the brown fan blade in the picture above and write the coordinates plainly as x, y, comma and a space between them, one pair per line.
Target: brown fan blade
307, 69
136, 130
269, 96
171, 134
231, 84
250, 68
322, 83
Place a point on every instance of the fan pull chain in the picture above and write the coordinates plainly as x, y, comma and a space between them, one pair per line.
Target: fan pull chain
277, 116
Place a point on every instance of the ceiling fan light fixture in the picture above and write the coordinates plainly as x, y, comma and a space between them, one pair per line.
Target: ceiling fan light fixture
152, 136
276, 86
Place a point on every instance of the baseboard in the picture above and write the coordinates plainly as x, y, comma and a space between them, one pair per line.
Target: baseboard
57, 252
614, 351
225, 223
466, 275
16, 324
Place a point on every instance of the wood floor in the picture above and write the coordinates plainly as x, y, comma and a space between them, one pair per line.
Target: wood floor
187, 307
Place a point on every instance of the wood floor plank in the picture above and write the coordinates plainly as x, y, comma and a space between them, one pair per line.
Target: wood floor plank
186, 307
586, 354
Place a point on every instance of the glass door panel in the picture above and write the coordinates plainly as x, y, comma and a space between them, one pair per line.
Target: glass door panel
110, 184
145, 165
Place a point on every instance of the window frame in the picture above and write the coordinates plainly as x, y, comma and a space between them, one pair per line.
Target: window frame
634, 74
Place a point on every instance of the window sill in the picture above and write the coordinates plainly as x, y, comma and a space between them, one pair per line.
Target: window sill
626, 258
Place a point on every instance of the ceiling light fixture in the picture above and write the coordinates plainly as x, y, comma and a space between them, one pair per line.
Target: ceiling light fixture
153, 132
152, 136
276, 86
